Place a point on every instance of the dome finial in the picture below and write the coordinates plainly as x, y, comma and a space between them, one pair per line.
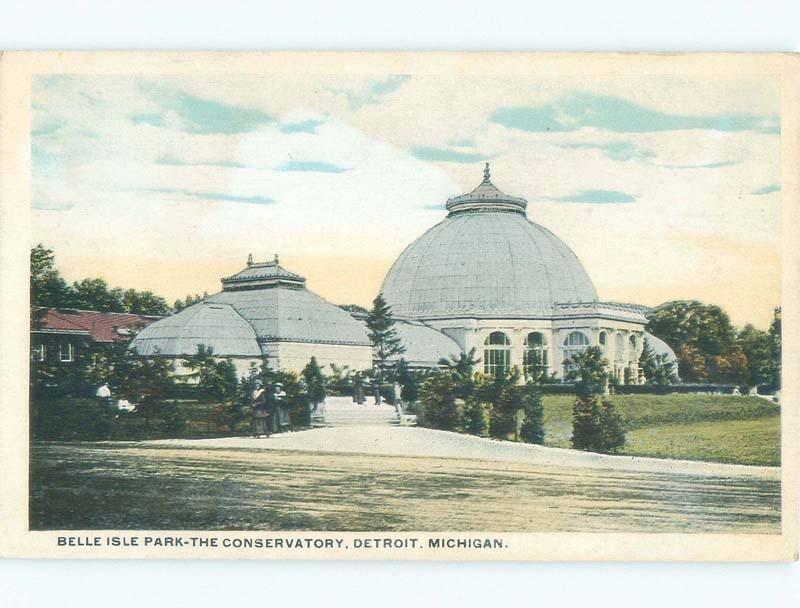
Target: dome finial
276, 259
486, 174
249, 259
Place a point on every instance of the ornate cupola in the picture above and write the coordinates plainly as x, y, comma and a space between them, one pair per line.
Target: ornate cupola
262, 275
486, 197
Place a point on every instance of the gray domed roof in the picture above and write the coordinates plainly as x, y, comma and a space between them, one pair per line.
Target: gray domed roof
217, 326
294, 315
263, 303
485, 260
424, 345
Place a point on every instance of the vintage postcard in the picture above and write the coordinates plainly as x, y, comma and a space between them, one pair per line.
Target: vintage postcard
452, 306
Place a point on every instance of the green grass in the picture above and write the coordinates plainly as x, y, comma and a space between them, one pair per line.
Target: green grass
736, 441
718, 428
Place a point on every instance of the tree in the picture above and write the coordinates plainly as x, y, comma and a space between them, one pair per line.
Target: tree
648, 363
776, 348
438, 399
596, 427
506, 401
408, 381
48, 288
144, 381
461, 367
144, 303
475, 419
703, 338
95, 294
382, 333
296, 398
532, 429
217, 379
315, 382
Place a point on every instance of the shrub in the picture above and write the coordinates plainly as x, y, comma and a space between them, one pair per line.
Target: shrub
172, 419
315, 382
596, 427
475, 417
586, 423
71, 419
612, 435
532, 429
438, 400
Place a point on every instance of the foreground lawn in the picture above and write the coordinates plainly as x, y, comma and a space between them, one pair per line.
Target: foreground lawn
737, 441
137, 486
718, 428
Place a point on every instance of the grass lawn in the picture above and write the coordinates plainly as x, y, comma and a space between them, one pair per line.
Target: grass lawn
718, 428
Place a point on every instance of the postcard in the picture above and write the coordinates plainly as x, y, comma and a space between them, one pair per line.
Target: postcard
417, 306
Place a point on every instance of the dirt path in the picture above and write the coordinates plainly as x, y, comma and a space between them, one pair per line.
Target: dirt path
169, 486
420, 442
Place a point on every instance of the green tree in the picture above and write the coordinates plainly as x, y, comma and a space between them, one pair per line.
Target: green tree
475, 418
144, 303
503, 393
438, 399
215, 379
664, 372
95, 294
532, 428
596, 427
462, 367
48, 288
297, 398
648, 364
774, 371
703, 338
144, 381
408, 381
315, 382
762, 352
382, 332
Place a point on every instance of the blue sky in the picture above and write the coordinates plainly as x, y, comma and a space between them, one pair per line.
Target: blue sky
348, 170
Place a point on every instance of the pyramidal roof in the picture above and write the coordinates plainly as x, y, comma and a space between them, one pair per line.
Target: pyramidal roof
260, 275
486, 197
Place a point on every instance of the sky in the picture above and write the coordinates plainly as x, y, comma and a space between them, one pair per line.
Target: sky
665, 187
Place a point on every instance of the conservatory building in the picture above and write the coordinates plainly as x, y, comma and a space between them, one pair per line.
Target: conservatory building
491, 279
485, 277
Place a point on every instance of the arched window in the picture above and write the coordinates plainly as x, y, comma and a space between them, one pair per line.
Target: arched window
619, 347
535, 362
574, 344
632, 356
602, 338
497, 355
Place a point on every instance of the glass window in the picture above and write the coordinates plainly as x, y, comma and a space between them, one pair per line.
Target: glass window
534, 360
602, 339
633, 344
619, 347
39, 352
66, 352
497, 355
574, 344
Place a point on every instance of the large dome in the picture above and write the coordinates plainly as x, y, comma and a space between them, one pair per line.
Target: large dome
485, 260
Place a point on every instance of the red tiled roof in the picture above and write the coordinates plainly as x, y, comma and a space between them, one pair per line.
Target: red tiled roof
100, 326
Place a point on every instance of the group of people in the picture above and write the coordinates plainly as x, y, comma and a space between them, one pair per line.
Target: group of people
270, 411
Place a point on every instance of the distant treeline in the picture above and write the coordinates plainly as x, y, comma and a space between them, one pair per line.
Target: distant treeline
50, 290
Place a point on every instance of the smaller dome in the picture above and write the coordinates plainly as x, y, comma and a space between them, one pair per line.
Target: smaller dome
424, 345
217, 326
